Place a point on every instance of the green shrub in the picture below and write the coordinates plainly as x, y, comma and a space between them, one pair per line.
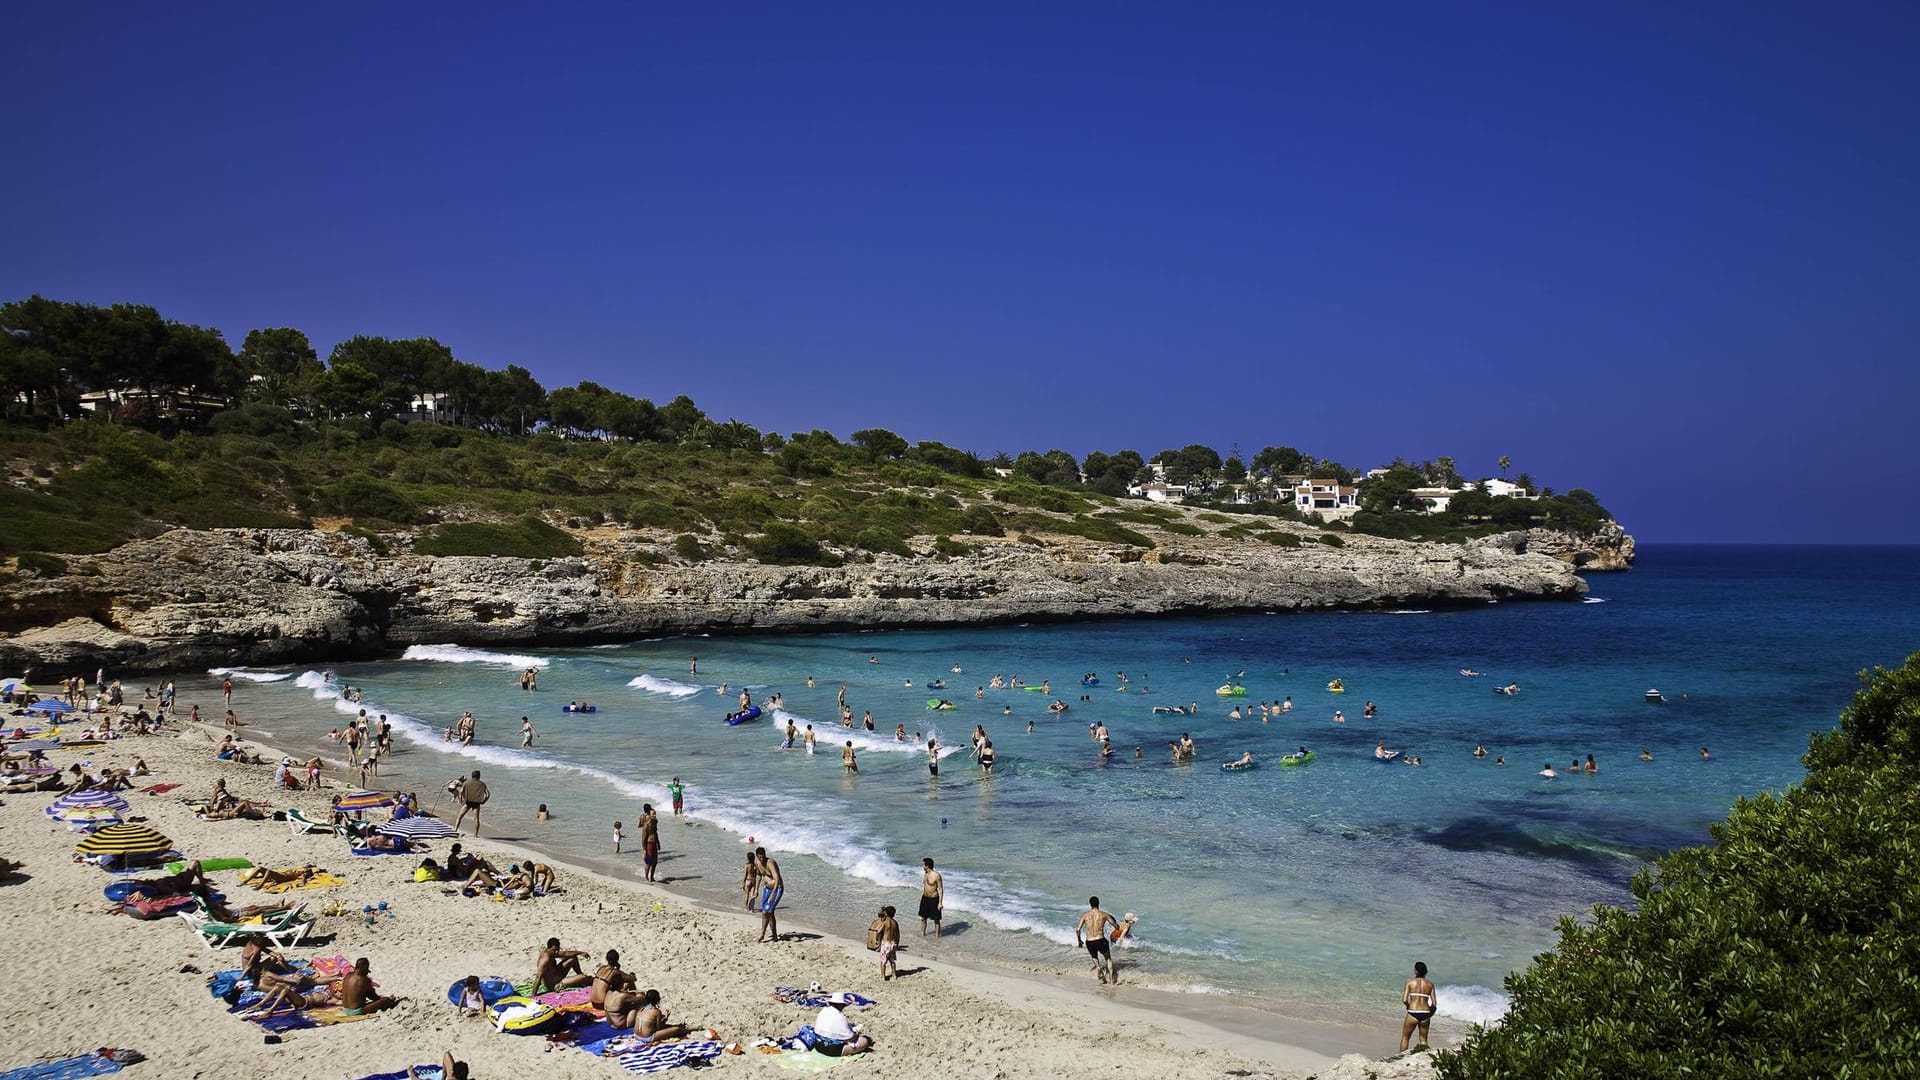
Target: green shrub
785, 544
365, 497
881, 540
1282, 539
41, 563
689, 548
1044, 498
527, 538
374, 540
1218, 519
1787, 948
1182, 528
951, 548
980, 521
1331, 540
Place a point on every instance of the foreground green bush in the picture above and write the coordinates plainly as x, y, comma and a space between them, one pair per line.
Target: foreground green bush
1790, 947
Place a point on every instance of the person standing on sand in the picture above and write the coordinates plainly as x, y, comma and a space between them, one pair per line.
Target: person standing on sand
473, 795
885, 932
678, 792
1091, 932
933, 897
1420, 1000
649, 838
772, 889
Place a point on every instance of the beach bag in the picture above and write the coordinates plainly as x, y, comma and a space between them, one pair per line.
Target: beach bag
873, 936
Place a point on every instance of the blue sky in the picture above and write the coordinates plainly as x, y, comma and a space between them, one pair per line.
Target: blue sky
1665, 252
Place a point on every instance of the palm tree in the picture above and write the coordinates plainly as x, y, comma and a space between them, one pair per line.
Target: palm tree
1505, 461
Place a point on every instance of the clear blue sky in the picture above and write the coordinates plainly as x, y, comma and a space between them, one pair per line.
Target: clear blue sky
1667, 252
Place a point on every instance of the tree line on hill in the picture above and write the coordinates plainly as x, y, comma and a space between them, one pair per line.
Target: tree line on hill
127, 363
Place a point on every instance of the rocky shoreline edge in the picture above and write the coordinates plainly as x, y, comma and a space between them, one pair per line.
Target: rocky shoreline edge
266, 596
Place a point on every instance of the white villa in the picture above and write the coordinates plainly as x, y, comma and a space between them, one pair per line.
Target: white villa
1329, 498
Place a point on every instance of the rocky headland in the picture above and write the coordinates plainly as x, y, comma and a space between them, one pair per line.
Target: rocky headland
261, 596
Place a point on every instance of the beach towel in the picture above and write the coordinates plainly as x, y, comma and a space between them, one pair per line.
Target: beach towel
380, 851
660, 1057
210, 865
425, 1072
98, 1063
814, 999
158, 789
568, 999
320, 880
807, 1060
592, 1033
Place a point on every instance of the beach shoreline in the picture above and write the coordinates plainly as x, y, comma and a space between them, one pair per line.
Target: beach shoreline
1175, 1037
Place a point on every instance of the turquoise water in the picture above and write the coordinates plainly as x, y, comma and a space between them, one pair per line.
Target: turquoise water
1318, 884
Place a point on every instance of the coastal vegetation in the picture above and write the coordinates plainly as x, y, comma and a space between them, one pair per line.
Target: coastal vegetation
1789, 947
117, 423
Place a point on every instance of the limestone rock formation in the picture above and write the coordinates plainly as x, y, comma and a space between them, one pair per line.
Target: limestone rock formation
198, 597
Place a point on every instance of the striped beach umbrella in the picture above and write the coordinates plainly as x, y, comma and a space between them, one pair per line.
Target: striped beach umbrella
83, 805
124, 839
364, 800
417, 828
50, 705
15, 686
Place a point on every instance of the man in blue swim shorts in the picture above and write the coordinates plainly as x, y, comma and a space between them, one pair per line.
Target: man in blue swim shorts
772, 887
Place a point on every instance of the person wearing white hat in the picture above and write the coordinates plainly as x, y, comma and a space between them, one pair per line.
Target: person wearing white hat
833, 1034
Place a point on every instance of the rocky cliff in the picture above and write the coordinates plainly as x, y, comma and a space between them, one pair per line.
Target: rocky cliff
1609, 548
191, 598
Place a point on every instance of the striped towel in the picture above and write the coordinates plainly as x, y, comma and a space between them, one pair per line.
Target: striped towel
665, 1056
66, 1069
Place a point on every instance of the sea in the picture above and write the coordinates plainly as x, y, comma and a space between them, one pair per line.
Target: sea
1312, 885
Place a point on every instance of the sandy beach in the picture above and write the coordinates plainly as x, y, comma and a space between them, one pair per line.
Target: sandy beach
100, 979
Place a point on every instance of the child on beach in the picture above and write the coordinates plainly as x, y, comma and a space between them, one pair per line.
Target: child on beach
472, 1001
616, 838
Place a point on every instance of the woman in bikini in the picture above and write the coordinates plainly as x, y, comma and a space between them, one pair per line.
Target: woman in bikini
1420, 1001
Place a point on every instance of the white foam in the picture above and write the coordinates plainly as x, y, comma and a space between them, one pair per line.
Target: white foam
248, 675
668, 687
1593, 599
1411, 611
1475, 1004
1186, 988
460, 654
863, 739
787, 824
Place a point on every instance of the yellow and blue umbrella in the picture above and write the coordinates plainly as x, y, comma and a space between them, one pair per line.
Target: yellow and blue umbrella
364, 800
125, 839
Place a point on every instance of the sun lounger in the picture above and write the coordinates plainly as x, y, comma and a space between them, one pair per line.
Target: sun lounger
302, 824
282, 930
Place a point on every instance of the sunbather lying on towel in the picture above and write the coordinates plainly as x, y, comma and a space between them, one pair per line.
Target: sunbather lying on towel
303, 991
190, 880
383, 842
449, 1069
241, 809
260, 876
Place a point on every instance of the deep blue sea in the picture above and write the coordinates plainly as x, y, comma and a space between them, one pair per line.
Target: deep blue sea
1315, 884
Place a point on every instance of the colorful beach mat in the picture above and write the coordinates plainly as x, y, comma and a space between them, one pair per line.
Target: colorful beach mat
97, 1063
